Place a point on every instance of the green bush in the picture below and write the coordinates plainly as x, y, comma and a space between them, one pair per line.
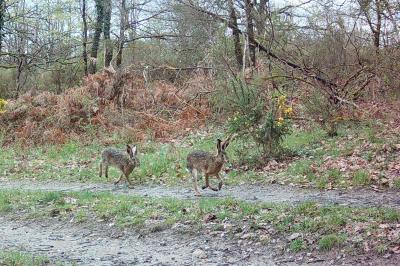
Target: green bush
265, 119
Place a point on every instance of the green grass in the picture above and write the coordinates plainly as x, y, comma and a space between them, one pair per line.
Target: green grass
303, 143
160, 163
301, 167
297, 245
165, 163
361, 178
330, 241
15, 258
381, 249
396, 183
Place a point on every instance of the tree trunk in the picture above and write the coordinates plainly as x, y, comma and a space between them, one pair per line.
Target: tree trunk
123, 25
108, 47
96, 37
236, 34
250, 30
377, 31
85, 37
375, 27
261, 20
2, 11
20, 79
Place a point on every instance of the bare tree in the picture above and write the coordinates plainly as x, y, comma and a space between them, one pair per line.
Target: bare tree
373, 12
249, 5
96, 37
84, 37
122, 29
2, 14
236, 35
108, 51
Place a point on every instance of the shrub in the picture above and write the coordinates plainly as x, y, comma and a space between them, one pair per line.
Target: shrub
3, 104
322, 110
267, 120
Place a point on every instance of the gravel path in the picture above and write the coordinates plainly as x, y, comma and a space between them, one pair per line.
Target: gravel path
252, 193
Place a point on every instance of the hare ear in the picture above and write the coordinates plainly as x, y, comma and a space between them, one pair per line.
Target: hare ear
219, 145
128, 148
227, 141
225, 144
134, 150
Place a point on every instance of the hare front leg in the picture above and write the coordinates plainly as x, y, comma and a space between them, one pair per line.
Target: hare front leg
119, 179
207, 182
106, 170
194, 176
206, 176
101, 169
220, 182
129, 181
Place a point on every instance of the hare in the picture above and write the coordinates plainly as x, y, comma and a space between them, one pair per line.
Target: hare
124, 162
208, 164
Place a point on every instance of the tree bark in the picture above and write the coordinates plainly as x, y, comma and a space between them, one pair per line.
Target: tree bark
123, 25
377, 31
2, 11
236, 34
108, 49
250, 30
375, 27
84, 38
261, 19
96, 37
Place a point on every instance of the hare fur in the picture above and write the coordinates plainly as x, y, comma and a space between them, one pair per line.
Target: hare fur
124, 161
207, 164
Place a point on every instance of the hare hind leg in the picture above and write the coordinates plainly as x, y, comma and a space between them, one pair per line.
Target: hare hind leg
194, 176
129, 181
207, 178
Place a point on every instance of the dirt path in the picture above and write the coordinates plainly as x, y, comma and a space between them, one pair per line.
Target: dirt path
271, 193
101, 245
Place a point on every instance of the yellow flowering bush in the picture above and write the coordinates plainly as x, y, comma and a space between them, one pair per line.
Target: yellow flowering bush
267, 121
3, 104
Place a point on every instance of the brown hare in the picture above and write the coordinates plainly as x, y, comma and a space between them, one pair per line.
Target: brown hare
125, 162
208, 164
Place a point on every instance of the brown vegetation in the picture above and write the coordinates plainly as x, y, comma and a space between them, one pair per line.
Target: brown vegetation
158, 111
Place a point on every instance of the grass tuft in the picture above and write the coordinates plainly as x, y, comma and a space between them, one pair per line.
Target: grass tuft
361, 178
328, 242
297, 245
